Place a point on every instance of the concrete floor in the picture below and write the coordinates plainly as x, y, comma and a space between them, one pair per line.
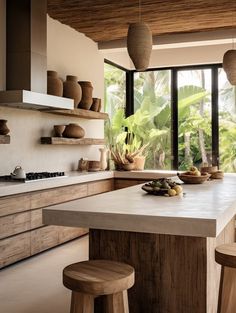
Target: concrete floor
35, 285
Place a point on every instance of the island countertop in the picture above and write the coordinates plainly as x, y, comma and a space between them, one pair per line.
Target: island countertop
203, 211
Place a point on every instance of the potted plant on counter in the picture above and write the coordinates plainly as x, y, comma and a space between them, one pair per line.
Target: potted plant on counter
126, 149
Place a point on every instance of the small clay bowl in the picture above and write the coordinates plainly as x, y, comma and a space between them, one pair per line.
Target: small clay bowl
94, 166
192, 179
58, 130
217, 175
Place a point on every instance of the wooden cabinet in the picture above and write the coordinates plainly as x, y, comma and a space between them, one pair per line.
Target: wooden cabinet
22, 232
124, 183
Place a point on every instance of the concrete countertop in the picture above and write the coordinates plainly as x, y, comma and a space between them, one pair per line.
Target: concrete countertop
203, 211
72, 178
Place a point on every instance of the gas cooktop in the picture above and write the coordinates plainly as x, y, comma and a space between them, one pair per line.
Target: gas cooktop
33, 176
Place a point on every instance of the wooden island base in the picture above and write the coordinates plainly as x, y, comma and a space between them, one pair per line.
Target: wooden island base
174, 274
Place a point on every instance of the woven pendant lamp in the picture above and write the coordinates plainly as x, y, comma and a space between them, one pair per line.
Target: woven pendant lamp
229, 65
139, 43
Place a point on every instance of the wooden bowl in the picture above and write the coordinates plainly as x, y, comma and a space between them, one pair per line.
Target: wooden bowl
209, 169
94, 166
128, 166
192, 179
217, 175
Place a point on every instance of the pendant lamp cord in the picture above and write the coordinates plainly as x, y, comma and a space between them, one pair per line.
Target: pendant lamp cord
139, 11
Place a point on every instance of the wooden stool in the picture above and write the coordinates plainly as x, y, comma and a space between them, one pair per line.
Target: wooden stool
94, 278
226, 256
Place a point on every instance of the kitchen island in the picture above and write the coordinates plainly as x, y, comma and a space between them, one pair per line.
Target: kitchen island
169, 241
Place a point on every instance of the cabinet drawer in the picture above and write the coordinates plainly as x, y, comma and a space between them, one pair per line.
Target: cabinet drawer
14, 249
36, 218
14, 224
14, 204
100, 187
44, 238
68, 233
58, 195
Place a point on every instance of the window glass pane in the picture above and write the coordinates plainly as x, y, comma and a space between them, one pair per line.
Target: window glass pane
115, 89
194, 118
227, 123
153, 116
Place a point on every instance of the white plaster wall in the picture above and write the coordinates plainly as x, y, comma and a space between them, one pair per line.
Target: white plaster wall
174, 56
69, 52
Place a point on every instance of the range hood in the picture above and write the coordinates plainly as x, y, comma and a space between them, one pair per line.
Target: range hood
26, 58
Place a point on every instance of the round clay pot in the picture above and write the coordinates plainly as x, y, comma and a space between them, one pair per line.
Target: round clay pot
59, 129
73, 131
87, 95
139, 162
71, 89
4, 130
54, 84
95, 105
100, 105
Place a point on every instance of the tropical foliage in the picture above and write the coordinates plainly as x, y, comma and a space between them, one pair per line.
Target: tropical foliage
151, 122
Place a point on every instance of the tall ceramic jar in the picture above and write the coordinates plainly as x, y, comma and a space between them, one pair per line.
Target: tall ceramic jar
4, 130
71, 89
87, 95
103, 158
54, 84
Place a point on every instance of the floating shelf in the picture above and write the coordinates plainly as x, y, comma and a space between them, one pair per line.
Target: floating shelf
71, 141
80, 113
4, 139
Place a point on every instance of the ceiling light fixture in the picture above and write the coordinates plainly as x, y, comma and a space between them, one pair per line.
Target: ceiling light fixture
139, 43
229, 59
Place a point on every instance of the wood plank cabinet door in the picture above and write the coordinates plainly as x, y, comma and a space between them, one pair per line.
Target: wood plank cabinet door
14, 204
69, 233
124, 183
100, 187
14, 249
44, 238
14, 224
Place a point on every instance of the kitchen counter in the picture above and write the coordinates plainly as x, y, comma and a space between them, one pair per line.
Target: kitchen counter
72, 178
204, 210
170, 241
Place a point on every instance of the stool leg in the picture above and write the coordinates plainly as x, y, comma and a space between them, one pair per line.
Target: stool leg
81, 303
117, 303
227, 293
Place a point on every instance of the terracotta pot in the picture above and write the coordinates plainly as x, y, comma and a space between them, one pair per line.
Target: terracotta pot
73, 131
94, 166
54, 84
59, 129
100, 105
229, 65
139, 45
95, 105
71, 89
87, 94
4, 130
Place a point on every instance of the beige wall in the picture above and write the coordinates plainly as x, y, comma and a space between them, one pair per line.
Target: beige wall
69, 52
174, 56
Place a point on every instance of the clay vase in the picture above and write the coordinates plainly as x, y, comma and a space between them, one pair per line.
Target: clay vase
54, 84
58, 130
87, 95
4, 130
95, 105
103, 158
73, 131
71, 89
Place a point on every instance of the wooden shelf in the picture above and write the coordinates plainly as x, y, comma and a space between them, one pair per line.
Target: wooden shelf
4, 139
71, 141
80, 113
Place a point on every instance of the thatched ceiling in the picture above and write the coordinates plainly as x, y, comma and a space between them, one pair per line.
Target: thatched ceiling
107, 20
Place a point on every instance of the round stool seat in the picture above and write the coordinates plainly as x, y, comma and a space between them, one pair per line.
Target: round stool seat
98, 277
226, 255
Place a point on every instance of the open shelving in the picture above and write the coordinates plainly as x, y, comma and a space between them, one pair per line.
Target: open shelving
71, 141
80, 113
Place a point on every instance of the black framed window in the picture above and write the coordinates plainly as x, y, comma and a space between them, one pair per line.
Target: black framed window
187, 114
